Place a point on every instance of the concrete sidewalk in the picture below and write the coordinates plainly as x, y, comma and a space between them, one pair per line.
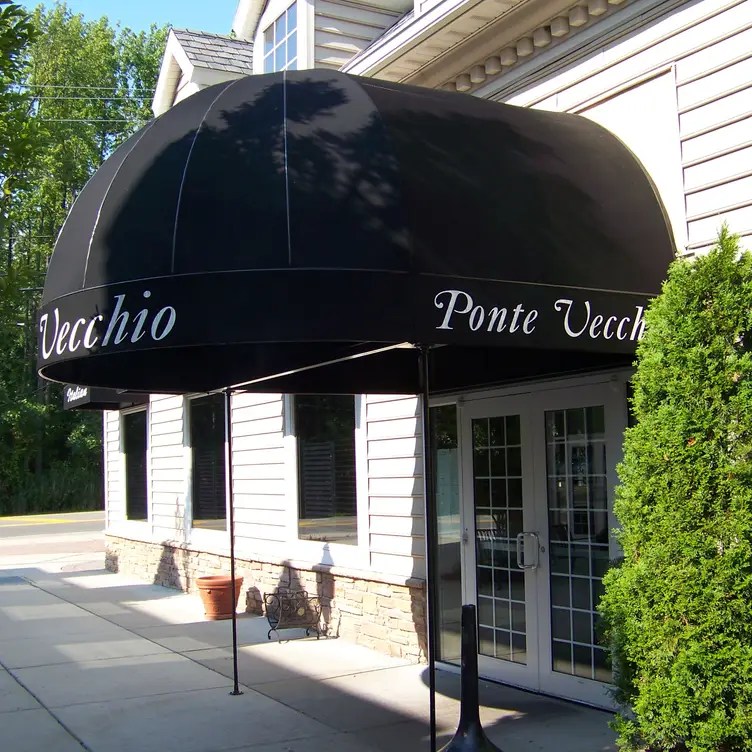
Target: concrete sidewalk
97, 661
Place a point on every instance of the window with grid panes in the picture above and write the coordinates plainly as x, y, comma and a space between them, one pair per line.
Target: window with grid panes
281, 42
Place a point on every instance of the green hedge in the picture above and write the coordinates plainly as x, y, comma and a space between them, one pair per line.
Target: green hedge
678, 608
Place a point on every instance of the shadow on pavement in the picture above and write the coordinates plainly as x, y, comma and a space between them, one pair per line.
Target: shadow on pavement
123, 665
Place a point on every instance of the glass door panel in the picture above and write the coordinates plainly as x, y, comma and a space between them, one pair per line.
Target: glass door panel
499, 515
497, 482
578, 531
578, 437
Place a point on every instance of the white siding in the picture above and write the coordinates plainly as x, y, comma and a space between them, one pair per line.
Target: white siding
113, 469
169, 472
343, 30
704, 50
395, 484
392, 518
259, 485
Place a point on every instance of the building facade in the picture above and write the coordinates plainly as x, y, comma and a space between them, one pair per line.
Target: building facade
327, 490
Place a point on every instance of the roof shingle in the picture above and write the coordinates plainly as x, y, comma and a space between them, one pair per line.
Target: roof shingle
216, 51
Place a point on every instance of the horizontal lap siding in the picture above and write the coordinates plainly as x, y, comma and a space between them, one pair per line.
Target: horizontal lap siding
707, 49
344, 30
113, 469
715, 104
259, 485
395, 485
169, 471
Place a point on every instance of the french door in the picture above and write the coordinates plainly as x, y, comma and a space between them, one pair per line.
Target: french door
538, 473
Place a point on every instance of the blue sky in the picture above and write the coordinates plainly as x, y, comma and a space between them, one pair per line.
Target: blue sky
202, 15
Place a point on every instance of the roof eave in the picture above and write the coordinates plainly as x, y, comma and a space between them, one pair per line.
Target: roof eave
175, 63
247, 17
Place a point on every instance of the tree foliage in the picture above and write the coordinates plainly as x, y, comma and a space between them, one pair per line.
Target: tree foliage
70, 91
16, 136
678, 608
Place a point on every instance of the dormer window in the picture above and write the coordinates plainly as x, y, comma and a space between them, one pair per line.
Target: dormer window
281, 42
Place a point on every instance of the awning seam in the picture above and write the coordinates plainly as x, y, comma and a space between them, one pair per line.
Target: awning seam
185, 170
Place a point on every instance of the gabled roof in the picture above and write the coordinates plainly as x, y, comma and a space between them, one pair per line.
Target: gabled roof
216, 51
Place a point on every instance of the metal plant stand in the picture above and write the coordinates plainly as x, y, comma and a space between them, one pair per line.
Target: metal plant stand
292, 609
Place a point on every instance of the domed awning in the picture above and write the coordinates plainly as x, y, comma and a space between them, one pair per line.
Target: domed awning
279, 221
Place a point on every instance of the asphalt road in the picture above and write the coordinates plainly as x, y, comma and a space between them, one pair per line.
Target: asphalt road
51, 524
39, 537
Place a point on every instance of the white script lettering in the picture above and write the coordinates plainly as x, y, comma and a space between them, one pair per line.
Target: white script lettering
76, 394
592, 324
63, 338
461, 303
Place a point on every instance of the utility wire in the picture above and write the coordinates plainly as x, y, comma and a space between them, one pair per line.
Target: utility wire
86, 99
91, 120
66, 86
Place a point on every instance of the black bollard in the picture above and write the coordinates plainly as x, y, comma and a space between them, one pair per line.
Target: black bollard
470, 736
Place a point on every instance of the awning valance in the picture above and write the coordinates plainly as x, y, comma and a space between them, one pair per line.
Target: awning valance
280, 220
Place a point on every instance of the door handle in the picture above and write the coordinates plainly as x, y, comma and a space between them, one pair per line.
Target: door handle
521, 551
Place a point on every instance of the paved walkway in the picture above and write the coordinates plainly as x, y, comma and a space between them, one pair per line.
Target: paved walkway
97, 661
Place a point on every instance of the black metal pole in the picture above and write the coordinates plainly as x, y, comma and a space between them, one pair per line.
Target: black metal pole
470, 736
228, 440
431, 533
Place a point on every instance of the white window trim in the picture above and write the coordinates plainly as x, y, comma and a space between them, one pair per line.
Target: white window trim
105, 472
213, 540
139, 529
318, 552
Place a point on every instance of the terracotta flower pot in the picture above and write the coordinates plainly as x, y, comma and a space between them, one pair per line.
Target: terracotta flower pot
215, 592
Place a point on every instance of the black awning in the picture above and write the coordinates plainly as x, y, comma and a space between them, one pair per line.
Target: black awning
77, 397
283, 220
269, 225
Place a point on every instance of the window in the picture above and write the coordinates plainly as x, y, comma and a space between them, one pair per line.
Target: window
135, 432
327, 498
281, 43
206, 426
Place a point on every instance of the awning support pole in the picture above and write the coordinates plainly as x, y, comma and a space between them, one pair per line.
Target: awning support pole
228, 465
431, 534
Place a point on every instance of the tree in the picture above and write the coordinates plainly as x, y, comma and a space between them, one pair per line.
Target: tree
678, 608
16, 31
16, 133
79, 88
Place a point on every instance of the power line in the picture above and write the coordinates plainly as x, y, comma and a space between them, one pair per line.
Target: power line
67, 86
90, 120
87, 99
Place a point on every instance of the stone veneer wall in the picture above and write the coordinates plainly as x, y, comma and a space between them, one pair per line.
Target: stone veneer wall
386, 617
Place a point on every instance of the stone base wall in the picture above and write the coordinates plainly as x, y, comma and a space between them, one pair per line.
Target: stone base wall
385, 617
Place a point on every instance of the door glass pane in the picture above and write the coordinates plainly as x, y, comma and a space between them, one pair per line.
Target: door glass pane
497, 480
447, 484
578, 535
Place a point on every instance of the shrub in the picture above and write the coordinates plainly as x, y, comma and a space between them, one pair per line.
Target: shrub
678, 608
